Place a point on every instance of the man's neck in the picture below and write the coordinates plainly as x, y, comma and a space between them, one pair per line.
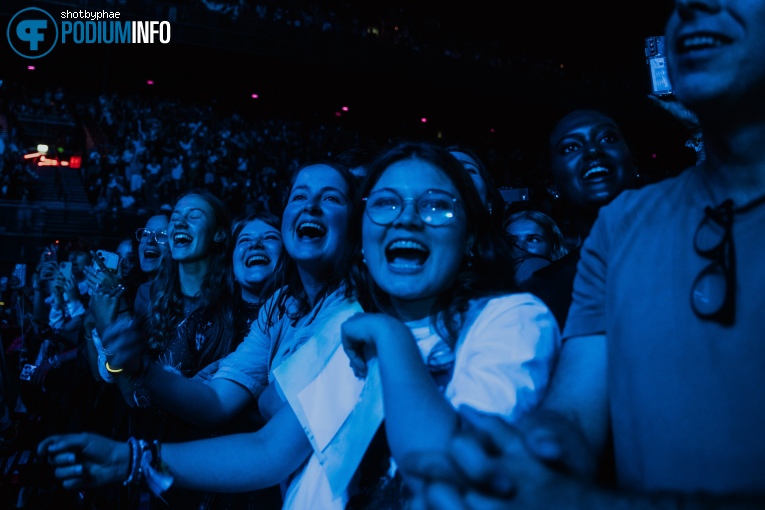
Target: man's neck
735, 161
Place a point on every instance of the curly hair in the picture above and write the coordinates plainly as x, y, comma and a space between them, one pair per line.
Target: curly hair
216, 293
483, 272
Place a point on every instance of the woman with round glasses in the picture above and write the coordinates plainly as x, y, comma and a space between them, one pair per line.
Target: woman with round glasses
152, 246
438, 275
108, 298
448, 332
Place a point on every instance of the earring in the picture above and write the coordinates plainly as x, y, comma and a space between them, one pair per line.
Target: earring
553, 192
470, 257
363, 259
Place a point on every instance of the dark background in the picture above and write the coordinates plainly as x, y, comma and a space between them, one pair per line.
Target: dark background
547, 58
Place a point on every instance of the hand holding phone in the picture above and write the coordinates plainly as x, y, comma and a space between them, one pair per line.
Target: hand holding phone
49, 270
104, 270
103, 260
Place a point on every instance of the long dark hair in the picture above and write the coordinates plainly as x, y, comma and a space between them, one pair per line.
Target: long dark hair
344, 270
216, 293
486, 271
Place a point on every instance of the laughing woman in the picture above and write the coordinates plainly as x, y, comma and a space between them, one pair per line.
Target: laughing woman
314, 296
449, 333
435, 271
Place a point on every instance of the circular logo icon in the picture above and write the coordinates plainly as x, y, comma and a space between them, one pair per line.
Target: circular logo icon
32, 33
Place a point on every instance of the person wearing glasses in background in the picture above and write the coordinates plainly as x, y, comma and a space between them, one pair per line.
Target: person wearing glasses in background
663, 349
187, 321
152, 246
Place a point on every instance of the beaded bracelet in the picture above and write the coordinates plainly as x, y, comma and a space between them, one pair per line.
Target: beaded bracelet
146, 466
134, 468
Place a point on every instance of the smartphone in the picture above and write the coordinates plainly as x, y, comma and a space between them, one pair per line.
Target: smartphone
66, 269
27, 371
111, 260
656, 58
20, 272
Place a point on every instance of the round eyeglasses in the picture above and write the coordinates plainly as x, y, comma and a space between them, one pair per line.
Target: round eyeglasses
145, 235
434, 207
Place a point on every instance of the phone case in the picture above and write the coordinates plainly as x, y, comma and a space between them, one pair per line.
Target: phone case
110, 260
66, 269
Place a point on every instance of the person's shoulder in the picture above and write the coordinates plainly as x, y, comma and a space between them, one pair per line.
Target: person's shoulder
652, 192
275, 297
501, 302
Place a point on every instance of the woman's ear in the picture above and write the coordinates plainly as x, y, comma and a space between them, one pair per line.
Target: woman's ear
220, 236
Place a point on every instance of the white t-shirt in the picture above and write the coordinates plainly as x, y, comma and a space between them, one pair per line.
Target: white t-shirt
503, 362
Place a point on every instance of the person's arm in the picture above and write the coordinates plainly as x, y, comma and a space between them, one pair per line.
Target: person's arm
417, 416
203, 404
234, 463
241, 462
578, 394
503, 364
489, 466
270, 401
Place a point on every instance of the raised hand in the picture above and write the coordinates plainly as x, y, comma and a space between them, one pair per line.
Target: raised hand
102, 275
71, 288
105, 303
124, 347
86, 460
360, 334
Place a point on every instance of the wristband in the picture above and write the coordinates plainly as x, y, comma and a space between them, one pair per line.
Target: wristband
112, 370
